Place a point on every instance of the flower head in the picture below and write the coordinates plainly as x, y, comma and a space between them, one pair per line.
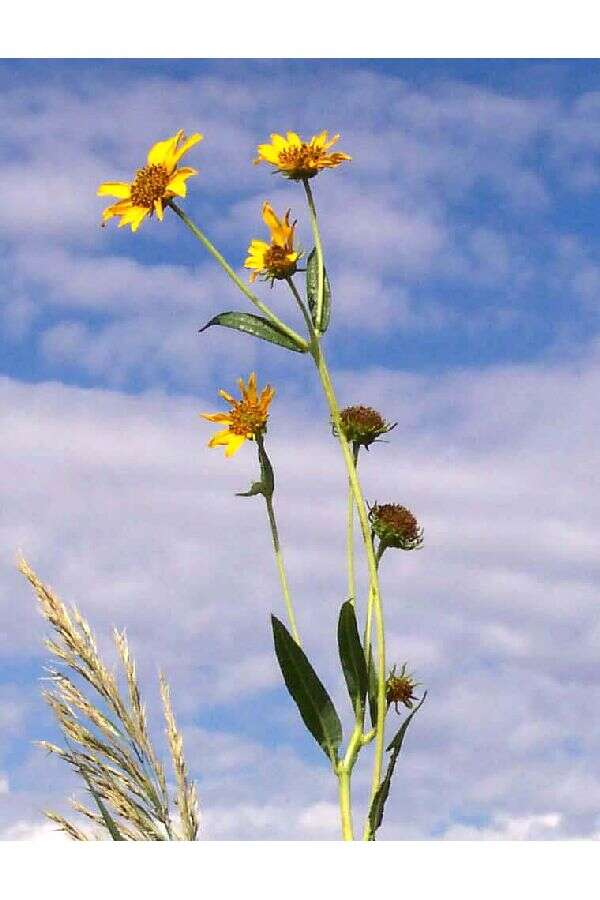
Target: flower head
156, 182
362, 425
246, 419
296, 159
395, 526
277, 259
399, 688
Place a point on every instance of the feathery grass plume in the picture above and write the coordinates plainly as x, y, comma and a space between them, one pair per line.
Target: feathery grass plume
107, 737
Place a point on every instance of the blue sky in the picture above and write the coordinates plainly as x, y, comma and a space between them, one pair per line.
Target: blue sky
463, 254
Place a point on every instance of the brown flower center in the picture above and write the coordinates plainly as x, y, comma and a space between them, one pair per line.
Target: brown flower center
149, 185
277, 263
303, 160
247, 417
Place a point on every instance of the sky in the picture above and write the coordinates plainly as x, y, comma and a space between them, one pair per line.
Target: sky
462, 249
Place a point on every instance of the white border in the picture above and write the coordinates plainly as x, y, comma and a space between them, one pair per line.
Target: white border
284, 29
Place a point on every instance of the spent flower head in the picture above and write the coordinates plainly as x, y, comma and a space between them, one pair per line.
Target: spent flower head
246, 419
297, 159
362, 425
153, 185
395, 526
278, 259
399, 688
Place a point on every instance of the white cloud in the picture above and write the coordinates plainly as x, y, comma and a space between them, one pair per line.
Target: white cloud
507, 828
118, 504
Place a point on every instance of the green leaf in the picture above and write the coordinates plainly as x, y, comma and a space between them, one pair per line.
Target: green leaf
256, 326
313, 701
312, 292
266, 485
372, 683
376, 811
352, 657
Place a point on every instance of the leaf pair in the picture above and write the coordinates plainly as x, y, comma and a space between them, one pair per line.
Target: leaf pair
311, 697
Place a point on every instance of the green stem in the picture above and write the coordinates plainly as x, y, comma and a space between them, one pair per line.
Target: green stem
374, 594
268, 482
344, 774
268, 313
350, 534
281, 569
303, 310
318, 247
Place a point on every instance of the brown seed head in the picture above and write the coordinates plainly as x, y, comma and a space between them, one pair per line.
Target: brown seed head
395, 526
362, 425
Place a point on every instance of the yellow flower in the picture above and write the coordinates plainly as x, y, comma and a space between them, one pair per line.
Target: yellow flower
247, 417
159, 180
296, 159
277, 259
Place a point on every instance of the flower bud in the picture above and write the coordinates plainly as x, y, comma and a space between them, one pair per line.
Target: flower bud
361, 425
395, 526
399, 689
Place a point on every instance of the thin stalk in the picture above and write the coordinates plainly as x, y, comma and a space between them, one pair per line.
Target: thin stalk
350, 534
267, 487
268, 313
318, 247
281, 569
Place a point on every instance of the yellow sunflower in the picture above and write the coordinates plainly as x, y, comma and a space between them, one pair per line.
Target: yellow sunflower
277, 259
247, 417
296, 159
158, 181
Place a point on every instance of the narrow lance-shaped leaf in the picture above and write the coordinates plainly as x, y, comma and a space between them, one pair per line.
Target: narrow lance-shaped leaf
352, 657
312, 292
313, 701
376, 811
257, 326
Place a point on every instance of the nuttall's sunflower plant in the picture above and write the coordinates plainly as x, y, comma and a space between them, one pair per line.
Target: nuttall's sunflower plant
155, 187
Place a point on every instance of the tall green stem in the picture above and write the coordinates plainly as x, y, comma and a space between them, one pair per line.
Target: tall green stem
374, 594
268, 313
350, 534
267, 488
281, 569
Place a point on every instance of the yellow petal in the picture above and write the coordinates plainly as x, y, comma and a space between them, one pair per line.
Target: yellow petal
134, 216
114, 189
269, 217
219, 438
268, 153
179, 151
161, 151
234, 443
227, 397
251, 389
158, 209
330, 143
177, 183
293, 139
117, 209
222, 418
279, 142
319, 140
